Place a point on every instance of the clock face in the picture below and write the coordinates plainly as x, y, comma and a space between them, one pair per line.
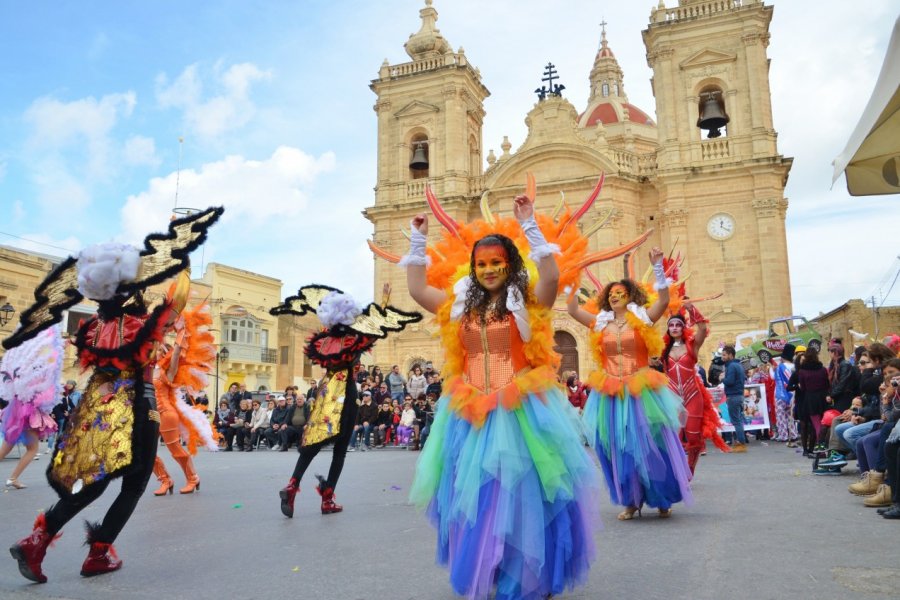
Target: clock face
720, 226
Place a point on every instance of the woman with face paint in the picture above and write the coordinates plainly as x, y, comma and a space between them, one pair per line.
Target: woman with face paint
632, 417
504, 475
680, 361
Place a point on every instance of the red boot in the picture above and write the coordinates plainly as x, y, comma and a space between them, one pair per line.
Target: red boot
30, 551
101, 559
328, 504
287, 497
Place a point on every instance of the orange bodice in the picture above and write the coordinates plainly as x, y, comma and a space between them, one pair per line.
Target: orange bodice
494, 353
624, 353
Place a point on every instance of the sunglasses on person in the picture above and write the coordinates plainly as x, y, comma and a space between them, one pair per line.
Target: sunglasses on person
863, 361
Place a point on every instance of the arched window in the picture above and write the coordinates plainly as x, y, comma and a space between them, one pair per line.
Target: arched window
565, 344
605, 89
419, 162
711, 114
616, 89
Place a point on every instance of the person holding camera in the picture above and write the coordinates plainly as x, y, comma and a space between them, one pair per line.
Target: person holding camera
892, 448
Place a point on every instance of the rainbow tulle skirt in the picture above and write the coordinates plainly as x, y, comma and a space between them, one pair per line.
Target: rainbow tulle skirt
636, 437
514, 502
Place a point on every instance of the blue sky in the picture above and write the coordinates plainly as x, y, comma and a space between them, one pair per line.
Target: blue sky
272, 102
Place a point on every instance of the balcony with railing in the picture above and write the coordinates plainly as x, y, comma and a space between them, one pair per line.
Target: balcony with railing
268, 355
715, 149
696, 10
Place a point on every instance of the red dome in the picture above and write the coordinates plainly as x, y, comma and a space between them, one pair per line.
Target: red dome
606, 114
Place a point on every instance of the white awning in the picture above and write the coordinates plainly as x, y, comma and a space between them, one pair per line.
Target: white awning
871, 159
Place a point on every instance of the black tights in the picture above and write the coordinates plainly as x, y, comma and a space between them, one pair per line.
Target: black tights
308, 453
133, 485
807, 435
348, 419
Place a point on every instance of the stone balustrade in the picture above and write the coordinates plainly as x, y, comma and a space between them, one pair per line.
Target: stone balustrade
715, 149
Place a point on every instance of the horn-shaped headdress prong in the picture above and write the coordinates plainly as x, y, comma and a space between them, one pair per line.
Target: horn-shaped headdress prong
388, 256
587, 204
595, 257
439, 213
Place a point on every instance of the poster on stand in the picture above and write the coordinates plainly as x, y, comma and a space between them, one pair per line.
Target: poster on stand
755, 413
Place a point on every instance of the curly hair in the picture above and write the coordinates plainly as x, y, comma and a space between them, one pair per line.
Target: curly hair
478, 301
635, 293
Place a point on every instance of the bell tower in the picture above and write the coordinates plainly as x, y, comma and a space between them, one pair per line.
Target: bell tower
720, 178
430, 112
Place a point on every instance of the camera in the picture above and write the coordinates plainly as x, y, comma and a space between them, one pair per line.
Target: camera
895, 381
854, 410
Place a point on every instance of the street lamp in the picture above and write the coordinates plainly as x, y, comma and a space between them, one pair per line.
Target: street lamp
6, 313
221, 357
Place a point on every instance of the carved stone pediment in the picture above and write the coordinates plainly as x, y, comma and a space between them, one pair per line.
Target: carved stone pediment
416, 108
707, 57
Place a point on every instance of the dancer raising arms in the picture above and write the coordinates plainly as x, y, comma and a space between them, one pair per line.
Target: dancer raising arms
682, 347
631, 416
504, 475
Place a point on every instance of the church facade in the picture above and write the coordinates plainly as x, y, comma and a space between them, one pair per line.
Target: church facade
719, 194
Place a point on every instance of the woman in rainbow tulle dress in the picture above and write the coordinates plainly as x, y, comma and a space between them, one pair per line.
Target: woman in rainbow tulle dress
504, 475
632, 417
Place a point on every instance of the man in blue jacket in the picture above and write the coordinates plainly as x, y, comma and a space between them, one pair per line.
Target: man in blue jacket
734, 395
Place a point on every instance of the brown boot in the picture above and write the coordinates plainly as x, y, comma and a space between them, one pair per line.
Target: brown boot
738, 448
165, 482
30, 551
882, 497
868, 485
329, 506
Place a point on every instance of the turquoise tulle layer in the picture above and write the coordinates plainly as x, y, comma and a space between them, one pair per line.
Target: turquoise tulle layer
514, 502
636, 439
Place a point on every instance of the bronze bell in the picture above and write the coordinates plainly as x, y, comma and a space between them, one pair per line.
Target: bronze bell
712, 115
419, 160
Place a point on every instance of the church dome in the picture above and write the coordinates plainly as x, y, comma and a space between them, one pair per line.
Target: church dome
610, 111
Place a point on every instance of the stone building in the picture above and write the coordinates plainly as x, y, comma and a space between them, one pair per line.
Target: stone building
240, 301
852, 319
721, 197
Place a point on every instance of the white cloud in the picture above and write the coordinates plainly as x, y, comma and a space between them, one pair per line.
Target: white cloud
83, 125
140, 150
213, 116
256, 194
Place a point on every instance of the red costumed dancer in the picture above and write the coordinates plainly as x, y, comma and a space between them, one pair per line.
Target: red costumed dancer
680, 361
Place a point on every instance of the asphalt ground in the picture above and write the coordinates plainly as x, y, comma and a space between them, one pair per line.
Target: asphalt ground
762, 526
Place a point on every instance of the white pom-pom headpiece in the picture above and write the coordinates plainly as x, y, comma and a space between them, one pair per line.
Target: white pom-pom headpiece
338, 308
102, 267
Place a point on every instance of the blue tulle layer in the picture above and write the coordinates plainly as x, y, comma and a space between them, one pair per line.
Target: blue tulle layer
636, 439
514, 502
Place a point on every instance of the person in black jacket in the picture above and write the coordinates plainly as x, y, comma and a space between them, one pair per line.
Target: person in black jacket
365, 423
277, 423
298, 415
384, 423
864, 413
842, 377
67, 403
